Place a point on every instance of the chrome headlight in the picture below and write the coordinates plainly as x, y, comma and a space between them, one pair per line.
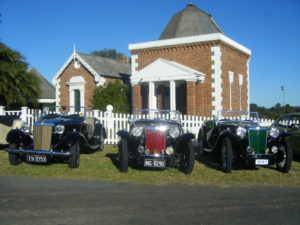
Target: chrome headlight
25, 127
274, 132
241, 131
174, 132
137, 131
59, 128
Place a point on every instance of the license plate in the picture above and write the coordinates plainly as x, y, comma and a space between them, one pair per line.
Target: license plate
261, 162
37, 158
154, 163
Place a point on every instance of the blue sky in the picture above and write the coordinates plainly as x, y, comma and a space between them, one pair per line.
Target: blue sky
45, 31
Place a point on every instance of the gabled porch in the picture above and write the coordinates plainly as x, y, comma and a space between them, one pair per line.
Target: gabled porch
163, 85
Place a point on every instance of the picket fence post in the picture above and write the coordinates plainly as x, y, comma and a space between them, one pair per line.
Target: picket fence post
23, 116
2, 110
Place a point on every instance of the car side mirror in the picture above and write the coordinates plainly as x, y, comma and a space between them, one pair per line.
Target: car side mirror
295, 126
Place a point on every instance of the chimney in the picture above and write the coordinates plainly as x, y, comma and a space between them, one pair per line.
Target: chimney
123, 58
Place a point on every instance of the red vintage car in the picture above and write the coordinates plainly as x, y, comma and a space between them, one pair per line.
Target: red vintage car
156, 140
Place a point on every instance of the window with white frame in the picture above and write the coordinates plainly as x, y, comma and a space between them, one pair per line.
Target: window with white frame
76, 92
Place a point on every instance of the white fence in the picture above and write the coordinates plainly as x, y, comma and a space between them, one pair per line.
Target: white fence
113, 122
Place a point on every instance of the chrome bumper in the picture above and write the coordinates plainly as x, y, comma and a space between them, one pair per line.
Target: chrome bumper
39, 152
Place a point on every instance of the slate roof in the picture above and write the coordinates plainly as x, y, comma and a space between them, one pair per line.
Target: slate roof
47, 90
106, 66
190, 21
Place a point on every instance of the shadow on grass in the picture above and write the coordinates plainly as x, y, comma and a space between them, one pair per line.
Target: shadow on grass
296, 158
115, 161
214, 162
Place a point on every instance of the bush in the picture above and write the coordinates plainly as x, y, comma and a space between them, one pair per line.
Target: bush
115, 94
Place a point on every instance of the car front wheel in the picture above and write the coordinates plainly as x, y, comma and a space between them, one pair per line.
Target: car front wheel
75, 158
187, 159
226, 155
14, 159
123, 156
284, 157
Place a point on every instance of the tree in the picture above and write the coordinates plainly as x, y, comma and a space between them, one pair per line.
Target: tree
273, 112
115, 94
17, 86
108, 53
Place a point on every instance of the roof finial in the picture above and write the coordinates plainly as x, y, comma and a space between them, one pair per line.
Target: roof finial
74, 52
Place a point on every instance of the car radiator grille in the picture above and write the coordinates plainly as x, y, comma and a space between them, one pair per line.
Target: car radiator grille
258, 140
42, 137
155, 141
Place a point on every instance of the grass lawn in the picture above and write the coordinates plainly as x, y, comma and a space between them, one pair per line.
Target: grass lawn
103, 166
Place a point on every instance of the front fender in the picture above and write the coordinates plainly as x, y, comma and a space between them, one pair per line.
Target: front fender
285, 134
182, 139
69, 140
279, 139
124, 134
17, 136
225, 133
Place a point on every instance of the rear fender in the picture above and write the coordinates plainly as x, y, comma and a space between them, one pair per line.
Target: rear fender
99, 127
17, 136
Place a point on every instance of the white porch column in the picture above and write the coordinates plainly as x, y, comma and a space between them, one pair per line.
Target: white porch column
172, 95
152, 97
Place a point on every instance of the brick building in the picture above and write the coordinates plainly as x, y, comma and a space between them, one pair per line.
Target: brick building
193, 68
82, 73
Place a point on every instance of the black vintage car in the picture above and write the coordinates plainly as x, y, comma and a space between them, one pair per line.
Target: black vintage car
61, 133
236, 135
155, 140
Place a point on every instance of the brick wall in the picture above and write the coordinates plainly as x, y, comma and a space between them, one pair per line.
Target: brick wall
65, 77
89, 85
137, 97
235, 61
196, 56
